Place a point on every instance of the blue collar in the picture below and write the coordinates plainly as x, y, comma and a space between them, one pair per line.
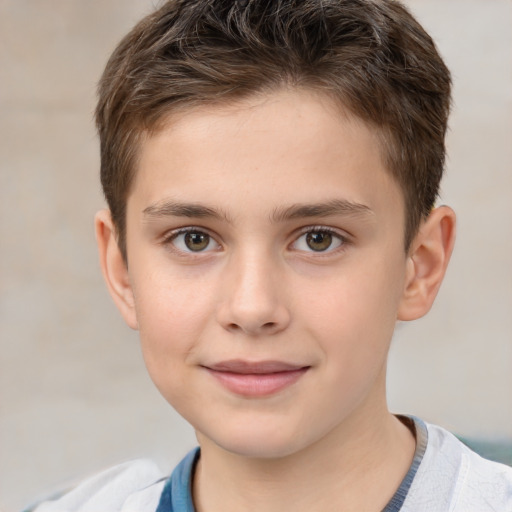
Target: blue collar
177, 493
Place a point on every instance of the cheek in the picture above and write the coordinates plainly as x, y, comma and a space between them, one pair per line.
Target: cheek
353, 314
172, 314
171, 323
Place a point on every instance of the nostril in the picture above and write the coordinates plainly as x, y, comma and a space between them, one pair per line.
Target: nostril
266, 327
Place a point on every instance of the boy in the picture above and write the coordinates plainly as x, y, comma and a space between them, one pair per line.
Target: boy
271, 169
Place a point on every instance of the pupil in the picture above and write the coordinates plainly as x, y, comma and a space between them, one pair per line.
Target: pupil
319, 241
197, 241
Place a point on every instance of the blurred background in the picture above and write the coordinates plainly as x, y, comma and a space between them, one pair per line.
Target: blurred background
74, 394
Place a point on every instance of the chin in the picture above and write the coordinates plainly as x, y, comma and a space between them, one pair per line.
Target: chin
260, 450
263, 443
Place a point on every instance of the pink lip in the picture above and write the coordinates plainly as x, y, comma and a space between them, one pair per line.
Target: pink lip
256, 379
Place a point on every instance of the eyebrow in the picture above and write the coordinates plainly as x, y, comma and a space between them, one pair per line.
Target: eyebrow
324, 209
170, 208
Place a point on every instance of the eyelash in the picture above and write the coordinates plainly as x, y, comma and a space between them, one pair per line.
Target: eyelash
335, 234
169, 240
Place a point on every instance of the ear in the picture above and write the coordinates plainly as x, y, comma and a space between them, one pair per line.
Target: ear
426, 263
114, 267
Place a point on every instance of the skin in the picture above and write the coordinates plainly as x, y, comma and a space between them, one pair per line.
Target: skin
261, 287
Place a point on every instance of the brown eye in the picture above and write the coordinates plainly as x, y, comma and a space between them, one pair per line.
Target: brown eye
196, 241
319, 240
190, 240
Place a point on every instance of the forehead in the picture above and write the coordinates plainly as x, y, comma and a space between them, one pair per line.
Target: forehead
285, 147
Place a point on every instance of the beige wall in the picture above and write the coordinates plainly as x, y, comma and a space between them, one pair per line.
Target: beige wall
74, 395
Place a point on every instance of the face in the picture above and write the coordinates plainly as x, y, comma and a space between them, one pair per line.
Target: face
266, 262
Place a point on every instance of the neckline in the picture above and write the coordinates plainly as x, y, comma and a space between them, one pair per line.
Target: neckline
177, 493
419, 428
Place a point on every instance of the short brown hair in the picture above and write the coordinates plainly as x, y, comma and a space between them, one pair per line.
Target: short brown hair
370, 55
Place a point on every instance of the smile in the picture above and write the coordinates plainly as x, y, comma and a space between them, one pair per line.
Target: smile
258, 379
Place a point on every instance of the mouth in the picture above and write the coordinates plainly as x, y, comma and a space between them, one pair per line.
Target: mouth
256, 379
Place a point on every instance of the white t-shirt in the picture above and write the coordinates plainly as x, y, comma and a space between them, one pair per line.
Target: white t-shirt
445, 476
452, 478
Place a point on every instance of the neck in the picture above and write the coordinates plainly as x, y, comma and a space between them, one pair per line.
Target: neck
357, 466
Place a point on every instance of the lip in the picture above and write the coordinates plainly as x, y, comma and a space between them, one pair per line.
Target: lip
256, 379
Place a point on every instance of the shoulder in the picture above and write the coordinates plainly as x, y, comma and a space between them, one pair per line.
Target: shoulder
129, 487
453, 477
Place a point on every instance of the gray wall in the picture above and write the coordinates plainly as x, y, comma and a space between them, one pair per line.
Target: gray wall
74, 396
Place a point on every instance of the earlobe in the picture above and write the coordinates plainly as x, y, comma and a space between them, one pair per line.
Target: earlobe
427, 262
114, 267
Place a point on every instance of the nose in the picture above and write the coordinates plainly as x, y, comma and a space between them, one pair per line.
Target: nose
253, 298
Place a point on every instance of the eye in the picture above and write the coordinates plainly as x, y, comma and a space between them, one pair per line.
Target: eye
192, 240
319, 240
